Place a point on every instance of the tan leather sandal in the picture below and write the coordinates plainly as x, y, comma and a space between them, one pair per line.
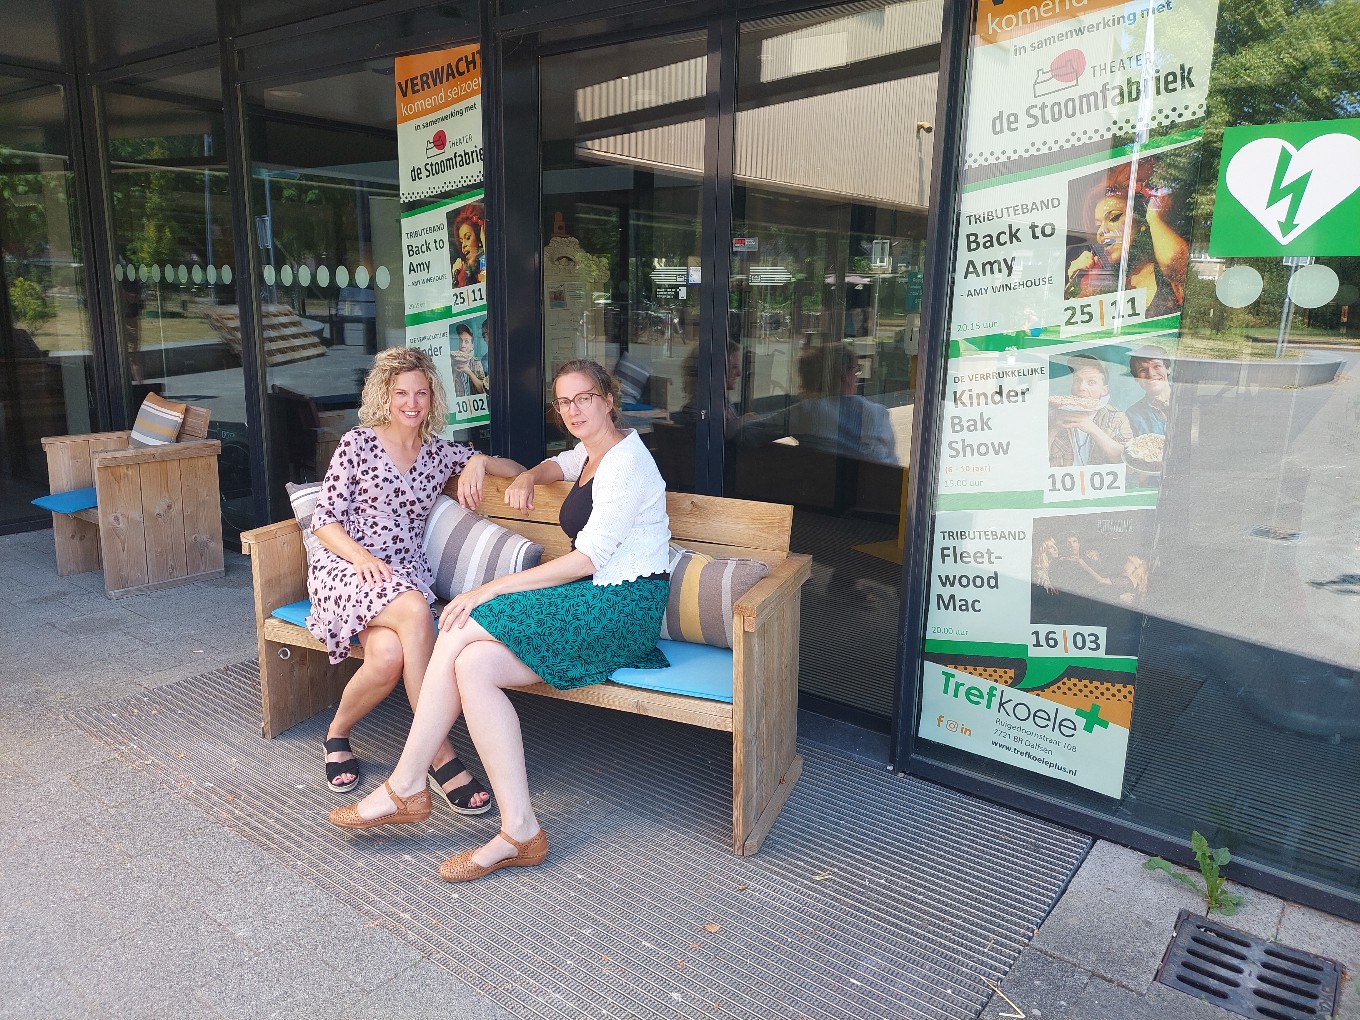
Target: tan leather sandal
527, 855
409, 810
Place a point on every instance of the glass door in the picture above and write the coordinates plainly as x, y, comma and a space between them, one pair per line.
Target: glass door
45, 357
623, 165
174, 268
831, 180
821, 169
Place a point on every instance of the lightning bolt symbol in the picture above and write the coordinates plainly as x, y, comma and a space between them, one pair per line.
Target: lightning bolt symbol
1293, 191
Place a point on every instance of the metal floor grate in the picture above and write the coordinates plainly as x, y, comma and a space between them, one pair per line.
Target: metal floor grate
873, 896
1248, 975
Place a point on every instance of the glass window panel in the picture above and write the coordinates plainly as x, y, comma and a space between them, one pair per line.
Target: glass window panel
175, 268
622, 187
832, 169
118, 28
326, 200
1221, 578
33, 38
46, 368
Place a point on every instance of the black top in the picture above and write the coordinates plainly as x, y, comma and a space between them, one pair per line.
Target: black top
576, 509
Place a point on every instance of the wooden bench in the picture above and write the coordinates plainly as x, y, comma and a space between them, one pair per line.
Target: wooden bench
156, 521
297, 681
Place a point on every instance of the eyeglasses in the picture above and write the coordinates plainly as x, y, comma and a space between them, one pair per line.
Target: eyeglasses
581, 401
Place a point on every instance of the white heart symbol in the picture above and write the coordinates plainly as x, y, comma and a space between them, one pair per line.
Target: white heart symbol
1313, 180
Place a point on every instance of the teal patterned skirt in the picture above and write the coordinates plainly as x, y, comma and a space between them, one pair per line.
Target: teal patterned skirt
577, 634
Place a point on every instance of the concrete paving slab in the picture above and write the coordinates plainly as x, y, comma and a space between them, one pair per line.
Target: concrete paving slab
1041, 987
428, 992
1102, 1000
1316, 932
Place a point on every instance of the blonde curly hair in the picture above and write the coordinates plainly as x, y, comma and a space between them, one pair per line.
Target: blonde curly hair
376, 406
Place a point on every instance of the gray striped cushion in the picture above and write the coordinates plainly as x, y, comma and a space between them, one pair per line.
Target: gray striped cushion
703, 591
465, 550
158, 422
303, 496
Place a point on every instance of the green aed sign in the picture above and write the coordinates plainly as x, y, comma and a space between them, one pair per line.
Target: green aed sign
1288, 189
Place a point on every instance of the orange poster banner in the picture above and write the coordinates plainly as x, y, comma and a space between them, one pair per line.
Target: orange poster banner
428, 82
999, 20
439, 122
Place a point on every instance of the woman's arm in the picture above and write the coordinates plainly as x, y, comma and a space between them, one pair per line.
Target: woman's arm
474, 473
1168, 247
520, 493
371, 570
571, 567
333, 504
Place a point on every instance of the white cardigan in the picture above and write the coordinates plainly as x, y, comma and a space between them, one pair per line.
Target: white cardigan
628, 534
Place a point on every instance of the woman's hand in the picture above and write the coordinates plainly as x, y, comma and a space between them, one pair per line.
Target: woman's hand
370, 569
520, 493
459, 611
470, 481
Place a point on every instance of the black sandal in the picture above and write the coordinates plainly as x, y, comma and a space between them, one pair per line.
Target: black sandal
460, 797
349, 767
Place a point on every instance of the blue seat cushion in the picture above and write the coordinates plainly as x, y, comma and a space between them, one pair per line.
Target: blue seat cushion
294, 613
68, 502
699, 671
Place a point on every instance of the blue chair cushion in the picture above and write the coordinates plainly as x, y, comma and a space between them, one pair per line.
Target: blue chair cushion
68, 502
294, 613
699, 671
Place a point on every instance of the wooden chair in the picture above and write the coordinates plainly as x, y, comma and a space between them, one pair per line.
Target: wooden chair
153, 519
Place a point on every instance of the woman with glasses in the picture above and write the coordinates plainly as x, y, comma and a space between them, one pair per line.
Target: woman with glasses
569, 622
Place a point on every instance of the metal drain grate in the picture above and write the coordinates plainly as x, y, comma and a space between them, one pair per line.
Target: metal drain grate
1247, 975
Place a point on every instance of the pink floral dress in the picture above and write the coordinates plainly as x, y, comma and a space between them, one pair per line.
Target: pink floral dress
384, 511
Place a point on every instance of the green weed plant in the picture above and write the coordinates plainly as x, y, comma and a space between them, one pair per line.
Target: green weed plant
1215, 892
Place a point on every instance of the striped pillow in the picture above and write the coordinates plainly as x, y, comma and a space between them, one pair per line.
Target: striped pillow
632, 379
465, 549
158, 422
703, 591
303, 496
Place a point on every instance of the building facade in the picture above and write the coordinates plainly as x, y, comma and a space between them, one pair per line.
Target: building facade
1038, 312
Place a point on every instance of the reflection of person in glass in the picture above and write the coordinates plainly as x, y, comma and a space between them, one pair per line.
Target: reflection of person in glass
1133, 245
832, 416
732, 417
469, 241
1150, 366
469, 374
1084, 428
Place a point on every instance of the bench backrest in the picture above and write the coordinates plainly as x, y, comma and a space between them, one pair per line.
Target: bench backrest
712, 524
196, 421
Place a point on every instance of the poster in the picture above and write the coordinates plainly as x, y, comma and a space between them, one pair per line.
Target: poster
444, 244
1082, 148
439, 122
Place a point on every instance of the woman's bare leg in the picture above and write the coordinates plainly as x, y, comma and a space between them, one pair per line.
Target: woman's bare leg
435, 713
408, 615
372, 682
485, 670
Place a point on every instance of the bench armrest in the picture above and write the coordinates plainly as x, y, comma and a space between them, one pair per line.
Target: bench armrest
158, 454
85, 438
259, 537
783, 582
278, 566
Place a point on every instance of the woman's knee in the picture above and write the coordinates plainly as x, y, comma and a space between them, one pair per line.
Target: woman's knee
411, 612
383, 654
474, 668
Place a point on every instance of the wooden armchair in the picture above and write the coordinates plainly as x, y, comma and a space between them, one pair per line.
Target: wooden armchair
152, 519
